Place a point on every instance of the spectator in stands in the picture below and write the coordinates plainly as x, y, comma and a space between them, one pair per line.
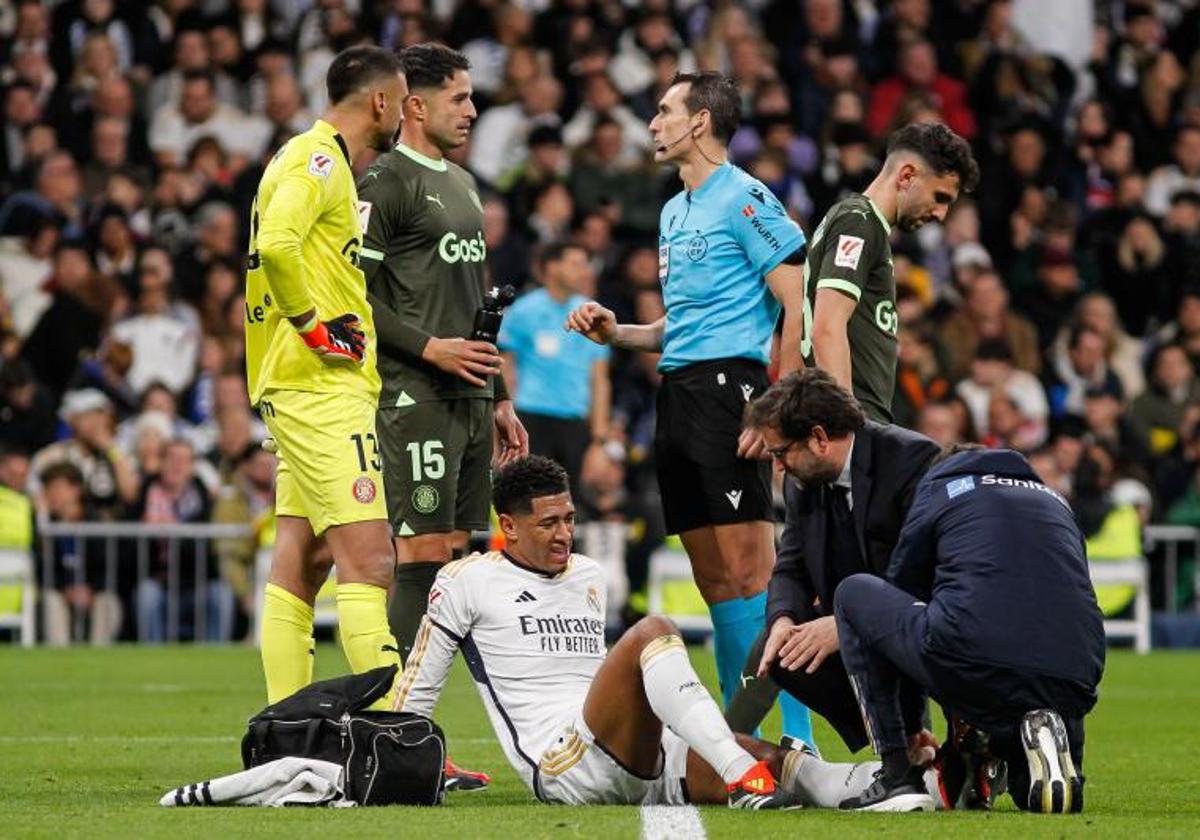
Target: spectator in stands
1184, 330
547, 162
1166, 412
109, 478
70, 328
177, 496
985, 316
1080, 368
1056, 293
21, 112
1103, 409
216, 241
507, 128
994, 377
600, 180
602, 100
920, 378
174, 129
918, 71
113, 99
246, 497
115, 250
633, 67
1181, 232
78, 576
942, 422
1123, 353
1138, 273
26, 408
1178, 176
57, 194
163, 335
553, 209
488, 54
192, 56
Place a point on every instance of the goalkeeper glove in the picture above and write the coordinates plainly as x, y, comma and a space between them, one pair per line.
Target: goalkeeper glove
338, 341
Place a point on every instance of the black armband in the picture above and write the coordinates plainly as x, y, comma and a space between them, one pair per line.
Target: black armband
797, 257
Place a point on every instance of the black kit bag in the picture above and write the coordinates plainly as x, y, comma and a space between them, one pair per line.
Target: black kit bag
389, 758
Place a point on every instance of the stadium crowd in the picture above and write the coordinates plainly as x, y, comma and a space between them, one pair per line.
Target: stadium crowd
1057, 311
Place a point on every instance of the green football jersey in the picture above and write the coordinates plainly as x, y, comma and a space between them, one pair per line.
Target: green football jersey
850, 253
423, 256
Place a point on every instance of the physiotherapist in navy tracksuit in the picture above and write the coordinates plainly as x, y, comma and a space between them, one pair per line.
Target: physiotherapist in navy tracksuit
988, 605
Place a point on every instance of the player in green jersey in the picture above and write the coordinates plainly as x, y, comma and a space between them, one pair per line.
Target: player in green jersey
442, 402
850, 319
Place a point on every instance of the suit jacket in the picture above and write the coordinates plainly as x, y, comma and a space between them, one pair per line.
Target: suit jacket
886, 464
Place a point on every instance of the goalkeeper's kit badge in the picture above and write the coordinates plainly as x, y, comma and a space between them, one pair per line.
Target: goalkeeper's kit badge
364, 490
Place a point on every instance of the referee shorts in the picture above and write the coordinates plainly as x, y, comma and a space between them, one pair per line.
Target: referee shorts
330, 471
702, 480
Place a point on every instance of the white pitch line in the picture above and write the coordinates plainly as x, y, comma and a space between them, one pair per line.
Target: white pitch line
672, 822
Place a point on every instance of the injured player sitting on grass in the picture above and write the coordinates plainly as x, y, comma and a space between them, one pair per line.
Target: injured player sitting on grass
581, 727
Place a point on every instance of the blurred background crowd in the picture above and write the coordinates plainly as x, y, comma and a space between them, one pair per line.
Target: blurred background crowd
1057, 311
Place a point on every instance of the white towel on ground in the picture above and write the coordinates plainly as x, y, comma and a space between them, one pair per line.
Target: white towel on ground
285, 781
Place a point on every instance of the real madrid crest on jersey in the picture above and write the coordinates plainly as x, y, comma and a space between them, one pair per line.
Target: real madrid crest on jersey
593, 599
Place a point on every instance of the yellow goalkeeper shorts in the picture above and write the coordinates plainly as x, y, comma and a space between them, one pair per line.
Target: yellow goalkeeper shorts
330, 471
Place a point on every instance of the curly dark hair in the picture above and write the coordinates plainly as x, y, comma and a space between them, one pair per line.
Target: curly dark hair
431, 65
803, 400
355, 68
516, 485
716, 93
941, 148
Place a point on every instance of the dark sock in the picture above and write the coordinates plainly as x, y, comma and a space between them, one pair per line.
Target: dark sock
895, 764
409, 599
754, 697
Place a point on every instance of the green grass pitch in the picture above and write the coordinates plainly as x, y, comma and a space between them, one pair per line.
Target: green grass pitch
89, 740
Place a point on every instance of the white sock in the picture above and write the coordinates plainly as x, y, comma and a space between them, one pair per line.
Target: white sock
683, 703
824, 784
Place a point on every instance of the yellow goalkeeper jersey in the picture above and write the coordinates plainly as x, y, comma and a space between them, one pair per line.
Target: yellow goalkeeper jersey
305, 235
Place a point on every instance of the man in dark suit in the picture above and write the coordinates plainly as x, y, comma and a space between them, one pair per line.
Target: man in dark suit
850, 482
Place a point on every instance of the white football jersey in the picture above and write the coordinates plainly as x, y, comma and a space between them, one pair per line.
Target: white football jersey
532, 643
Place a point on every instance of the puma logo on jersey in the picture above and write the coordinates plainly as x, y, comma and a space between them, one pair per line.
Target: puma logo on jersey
734, 497
747, 392
435, 199
524, 597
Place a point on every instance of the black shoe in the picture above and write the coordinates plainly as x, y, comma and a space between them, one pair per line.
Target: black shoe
1054, 785
970, 777
907, 793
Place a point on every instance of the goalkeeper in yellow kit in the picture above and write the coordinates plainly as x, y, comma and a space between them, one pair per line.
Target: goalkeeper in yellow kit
310, 362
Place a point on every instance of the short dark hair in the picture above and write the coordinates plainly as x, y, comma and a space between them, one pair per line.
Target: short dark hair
64, 470
554, 251
941, 148
800, 401
356, 67
517, 484
431, 65
716, 93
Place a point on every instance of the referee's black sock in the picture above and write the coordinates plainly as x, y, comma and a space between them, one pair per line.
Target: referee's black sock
409, 599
